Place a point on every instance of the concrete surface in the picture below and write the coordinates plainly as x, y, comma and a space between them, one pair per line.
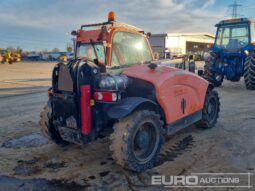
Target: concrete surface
227, 148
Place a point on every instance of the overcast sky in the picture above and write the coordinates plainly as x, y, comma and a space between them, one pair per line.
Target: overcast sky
40, 24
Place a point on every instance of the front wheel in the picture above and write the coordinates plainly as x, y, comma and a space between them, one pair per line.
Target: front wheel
210, 75
137, 139
210, 113
47, 127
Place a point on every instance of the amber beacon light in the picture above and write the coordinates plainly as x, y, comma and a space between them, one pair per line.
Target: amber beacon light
111, 16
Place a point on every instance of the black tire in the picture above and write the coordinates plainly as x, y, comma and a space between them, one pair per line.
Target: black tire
137, 140
249, 72
47, 127
215, 78
210, 113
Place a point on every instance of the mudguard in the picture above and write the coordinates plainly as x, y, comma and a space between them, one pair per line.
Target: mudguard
128, 105
179, 93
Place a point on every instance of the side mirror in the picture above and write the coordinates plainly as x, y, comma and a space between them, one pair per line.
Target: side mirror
74, 33
148, 34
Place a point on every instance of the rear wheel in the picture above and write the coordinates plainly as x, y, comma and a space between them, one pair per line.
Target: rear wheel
249, 72
210, 75
210, 113
48, 128
137, 139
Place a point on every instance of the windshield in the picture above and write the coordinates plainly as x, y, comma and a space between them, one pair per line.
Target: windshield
92, 51
232, 36
129, 48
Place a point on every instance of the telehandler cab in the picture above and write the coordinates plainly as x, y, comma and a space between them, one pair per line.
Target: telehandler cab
114, 88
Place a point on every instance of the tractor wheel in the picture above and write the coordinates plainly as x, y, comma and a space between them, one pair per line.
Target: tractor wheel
249, 72
210, 113
47, 127
215, 78
137, 140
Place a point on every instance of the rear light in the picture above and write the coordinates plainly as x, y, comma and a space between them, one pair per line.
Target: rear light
85, 105
106, 96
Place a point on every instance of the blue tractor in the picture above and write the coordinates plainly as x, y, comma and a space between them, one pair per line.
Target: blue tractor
233, 53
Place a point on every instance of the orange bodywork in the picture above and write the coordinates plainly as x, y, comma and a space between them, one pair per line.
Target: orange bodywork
87, 36
172, 86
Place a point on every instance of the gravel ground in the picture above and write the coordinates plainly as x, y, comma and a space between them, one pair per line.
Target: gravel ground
227, 148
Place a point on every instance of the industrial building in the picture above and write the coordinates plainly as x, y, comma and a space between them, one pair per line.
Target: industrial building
170, 45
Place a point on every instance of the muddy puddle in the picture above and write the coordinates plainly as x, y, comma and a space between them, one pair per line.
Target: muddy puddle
26, 141
106, 175
37, 166
14, 184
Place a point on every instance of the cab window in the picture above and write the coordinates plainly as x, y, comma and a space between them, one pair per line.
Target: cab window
92, 51
129, 49
232, 36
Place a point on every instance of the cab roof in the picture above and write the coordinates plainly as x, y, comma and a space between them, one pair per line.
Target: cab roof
234, 21
102, 31
94, 32
112, 24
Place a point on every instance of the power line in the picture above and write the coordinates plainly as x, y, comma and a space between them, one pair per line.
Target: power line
234, 7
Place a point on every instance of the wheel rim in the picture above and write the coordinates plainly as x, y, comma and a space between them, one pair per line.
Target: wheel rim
145, 142
212, 109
